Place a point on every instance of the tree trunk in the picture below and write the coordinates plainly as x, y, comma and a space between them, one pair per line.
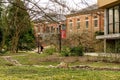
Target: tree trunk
14, 42
3, 41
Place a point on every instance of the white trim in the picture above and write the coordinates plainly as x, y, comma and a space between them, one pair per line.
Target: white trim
110, 36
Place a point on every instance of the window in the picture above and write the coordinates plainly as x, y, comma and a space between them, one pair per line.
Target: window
95, 21
113, 20
52, 29
87, 22
47, 29
116, 16
57, 30
70, 24
63, 27
78, 23
110, 20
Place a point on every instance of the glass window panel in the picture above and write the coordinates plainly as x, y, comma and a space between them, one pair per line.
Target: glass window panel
47, 29
116, 11
95, 17
87, 24
111, 15
70, 25
110, 28
63, 27
78, 25
52, 29
96, 23
86, 18
110, 20
57, 30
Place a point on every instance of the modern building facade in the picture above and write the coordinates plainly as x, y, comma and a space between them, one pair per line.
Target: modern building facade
112, 25
90, 19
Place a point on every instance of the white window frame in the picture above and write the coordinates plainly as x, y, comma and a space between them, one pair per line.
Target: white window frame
97, 22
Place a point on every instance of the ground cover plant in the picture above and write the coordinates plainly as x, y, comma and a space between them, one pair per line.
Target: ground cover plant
37, 67
38, 73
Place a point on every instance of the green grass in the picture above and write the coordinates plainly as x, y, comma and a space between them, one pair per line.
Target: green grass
44, 59
37, 73
36, 59
30, 72
3, 62
97, 64
11, 54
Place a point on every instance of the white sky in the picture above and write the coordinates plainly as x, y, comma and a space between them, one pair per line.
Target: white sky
49, 6
76, 4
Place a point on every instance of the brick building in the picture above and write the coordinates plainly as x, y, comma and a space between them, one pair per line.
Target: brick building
90, 19
48, 28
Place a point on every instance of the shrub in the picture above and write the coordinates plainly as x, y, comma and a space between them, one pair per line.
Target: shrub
99, 33
3, 51
65, 51
50, 51
76, 51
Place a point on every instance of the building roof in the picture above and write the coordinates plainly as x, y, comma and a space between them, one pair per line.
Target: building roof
86, 10
51, 17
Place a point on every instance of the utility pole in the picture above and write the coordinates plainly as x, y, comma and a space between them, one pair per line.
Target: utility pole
60, 38
38, 41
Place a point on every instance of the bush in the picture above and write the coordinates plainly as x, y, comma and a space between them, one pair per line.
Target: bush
65, 51
3, 51
76, 51
99, 33
50, 51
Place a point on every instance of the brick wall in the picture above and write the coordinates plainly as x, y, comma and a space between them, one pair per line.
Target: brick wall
72, 18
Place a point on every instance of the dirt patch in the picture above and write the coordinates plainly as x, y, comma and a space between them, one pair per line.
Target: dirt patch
12, 61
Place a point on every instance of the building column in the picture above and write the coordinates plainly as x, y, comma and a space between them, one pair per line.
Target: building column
105, 28
105, 46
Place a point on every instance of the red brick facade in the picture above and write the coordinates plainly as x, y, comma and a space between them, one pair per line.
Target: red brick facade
90, 21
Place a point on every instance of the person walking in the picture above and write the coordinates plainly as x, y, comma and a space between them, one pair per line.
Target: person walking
41, 48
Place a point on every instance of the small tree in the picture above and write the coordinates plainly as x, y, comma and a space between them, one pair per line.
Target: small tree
27, 40
20, 22
84, 39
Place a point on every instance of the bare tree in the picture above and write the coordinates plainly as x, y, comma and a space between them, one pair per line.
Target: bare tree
37, 10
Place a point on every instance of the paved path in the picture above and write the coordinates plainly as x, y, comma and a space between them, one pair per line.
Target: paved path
103, 54
91, 54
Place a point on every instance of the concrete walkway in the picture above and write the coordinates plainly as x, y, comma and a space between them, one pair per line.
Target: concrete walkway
91, 54
103, 54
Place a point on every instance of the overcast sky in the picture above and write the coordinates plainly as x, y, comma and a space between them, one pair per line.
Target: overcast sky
76, 4
51, 7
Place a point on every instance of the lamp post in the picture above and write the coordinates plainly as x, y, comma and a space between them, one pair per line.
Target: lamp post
38, 42
60, 38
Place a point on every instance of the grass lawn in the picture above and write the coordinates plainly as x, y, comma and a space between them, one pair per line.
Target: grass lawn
3, 62
37, 59
37, 73
30, 72
97, 64
44, 59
